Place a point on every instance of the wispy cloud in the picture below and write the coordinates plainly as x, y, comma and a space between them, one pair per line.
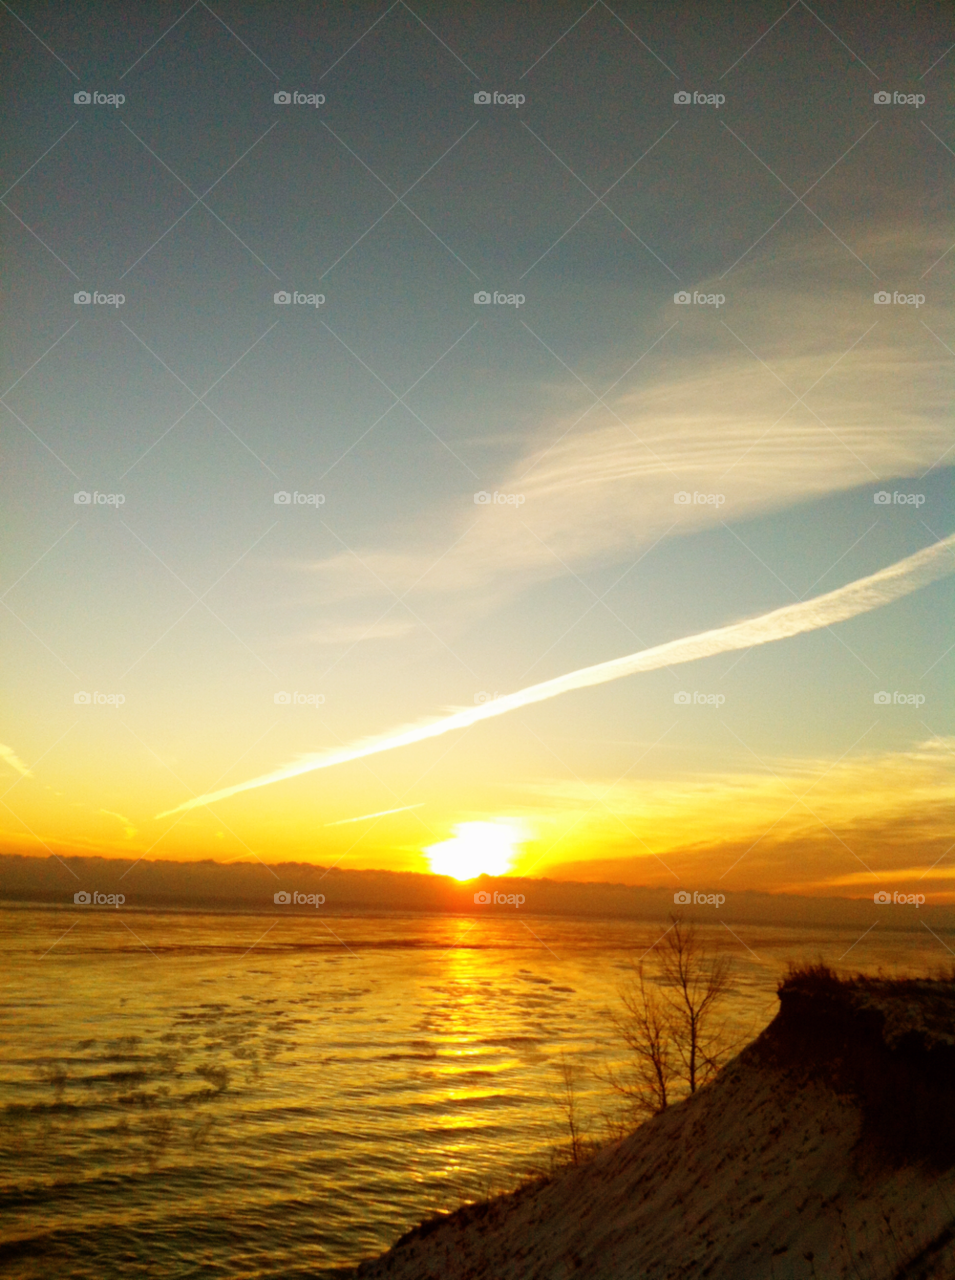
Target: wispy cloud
805, 389
381, 813
128, 829
13, 760
347, 633
871, 592
688, 819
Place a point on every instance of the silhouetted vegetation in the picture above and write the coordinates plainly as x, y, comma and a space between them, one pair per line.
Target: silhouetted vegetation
672, 1021
888, 1042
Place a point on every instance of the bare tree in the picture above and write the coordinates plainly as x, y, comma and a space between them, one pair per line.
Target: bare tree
697, 980
647, 1030
568, 1104
672, 1022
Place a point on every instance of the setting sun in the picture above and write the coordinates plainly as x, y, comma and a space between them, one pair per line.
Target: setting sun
476, 848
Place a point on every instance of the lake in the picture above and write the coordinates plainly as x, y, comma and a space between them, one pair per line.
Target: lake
195, 1094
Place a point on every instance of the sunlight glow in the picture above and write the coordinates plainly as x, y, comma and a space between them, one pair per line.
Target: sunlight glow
476, 848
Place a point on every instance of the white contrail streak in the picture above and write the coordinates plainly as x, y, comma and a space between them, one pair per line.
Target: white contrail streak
877, 589
380, 814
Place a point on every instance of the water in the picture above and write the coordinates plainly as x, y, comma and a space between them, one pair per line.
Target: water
190, 1094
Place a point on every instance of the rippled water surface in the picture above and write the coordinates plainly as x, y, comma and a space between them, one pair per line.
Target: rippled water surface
233, 1095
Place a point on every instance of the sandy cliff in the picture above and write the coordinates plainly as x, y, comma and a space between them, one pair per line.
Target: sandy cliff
826, 1148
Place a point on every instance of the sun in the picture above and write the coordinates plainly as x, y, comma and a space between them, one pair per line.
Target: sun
475, 849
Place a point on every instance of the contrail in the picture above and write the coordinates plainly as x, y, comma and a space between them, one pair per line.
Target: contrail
380, 814
868, 593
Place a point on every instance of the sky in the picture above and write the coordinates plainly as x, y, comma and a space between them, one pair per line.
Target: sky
482, 496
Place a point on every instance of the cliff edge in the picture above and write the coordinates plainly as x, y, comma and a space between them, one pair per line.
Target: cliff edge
825, 1149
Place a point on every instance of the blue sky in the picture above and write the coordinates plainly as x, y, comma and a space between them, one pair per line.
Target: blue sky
782, 406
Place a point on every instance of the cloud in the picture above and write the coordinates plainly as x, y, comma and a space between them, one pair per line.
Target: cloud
841, 809
349, 633
380, 813
128, 829
871, 592
14, 761
813, 827
798, 388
